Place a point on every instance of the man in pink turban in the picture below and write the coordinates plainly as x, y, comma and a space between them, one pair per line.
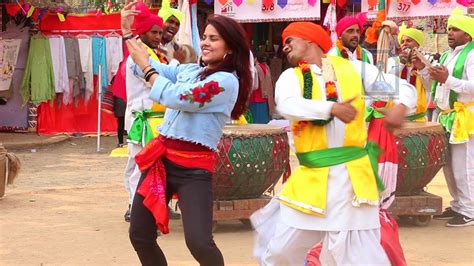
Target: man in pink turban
348, 31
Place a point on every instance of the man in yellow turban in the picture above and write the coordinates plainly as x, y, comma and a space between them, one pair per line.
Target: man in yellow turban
410, 67
453, 90
332, 197
172, 19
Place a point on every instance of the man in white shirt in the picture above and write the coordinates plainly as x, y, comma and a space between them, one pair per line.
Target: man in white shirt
454, 96
348, 31
410, 67
324, 200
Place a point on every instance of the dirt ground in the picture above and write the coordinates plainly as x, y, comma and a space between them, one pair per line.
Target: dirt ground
67, 206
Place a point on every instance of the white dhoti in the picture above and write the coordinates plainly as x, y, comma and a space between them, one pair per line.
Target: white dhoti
279, 244
132, 172
459, 174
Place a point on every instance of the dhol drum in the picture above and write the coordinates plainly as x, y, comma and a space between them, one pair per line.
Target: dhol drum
422, 152
250, 161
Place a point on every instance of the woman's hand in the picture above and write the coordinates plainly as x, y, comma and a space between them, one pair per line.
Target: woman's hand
126, 17
138, 53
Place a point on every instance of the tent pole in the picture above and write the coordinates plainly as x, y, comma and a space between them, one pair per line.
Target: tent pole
99, 101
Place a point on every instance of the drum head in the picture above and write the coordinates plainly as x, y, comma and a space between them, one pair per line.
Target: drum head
253, 130
414, 127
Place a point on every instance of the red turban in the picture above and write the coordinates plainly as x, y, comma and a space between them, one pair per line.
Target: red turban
346, 22
145, 19
308, 31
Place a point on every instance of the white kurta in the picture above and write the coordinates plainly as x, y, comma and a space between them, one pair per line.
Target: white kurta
138, 99
352, 56
341, 215
58, 57
114, 54
459, 169
85, 51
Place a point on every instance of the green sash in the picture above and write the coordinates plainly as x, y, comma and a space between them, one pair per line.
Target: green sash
141, 129
447, 119
334, 156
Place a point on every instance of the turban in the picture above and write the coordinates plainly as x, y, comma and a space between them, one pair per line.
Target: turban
166, 12
346, 22
310, 32
393, 26
145, 19
462, 22
413, 33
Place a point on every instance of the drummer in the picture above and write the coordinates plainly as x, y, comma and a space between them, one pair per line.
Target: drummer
410, 67
454, 95
319, 202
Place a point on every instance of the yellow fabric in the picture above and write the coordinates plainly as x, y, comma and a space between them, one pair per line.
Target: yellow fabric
422, 102
156, 107
166, 12
461, 21
413, 33
306, 189
463, 124
119, 152
240, 121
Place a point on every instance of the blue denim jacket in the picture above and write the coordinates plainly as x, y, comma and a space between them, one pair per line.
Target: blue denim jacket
185, 118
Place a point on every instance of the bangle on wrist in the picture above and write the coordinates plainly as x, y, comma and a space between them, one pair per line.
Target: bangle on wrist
148, 77
145, 68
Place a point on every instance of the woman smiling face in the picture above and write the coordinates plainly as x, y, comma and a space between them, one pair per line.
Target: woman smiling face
213, 47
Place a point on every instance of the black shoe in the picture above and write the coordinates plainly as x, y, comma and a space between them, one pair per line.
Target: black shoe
460, 220
126, 216
173, 215
446, 215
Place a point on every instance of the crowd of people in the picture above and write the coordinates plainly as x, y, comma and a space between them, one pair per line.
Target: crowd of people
177, 106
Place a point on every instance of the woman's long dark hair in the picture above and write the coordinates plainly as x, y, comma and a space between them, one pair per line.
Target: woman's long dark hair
238, 61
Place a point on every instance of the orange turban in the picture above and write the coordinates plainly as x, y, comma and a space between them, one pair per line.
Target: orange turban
308, 31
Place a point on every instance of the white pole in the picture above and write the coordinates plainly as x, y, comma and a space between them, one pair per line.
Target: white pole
99, 100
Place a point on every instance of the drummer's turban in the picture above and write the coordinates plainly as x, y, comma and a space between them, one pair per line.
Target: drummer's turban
166, 11
462, 22
145, 19
347, 22
413, 33
308, 31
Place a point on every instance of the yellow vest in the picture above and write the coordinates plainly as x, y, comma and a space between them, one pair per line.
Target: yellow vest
306, 189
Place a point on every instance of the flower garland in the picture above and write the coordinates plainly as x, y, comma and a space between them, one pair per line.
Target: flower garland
344, 53
330, 85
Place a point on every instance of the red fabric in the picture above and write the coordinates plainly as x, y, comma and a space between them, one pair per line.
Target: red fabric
153, 187
312, 259
404, 74
308, 31
54, 118
145, 19
256, 96
390, 240
385, 139
118, 87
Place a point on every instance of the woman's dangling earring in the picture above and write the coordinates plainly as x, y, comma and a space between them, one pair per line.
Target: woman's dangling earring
225, 55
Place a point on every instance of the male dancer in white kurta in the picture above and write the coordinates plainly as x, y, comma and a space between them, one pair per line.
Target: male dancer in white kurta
350, 234
454, 96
